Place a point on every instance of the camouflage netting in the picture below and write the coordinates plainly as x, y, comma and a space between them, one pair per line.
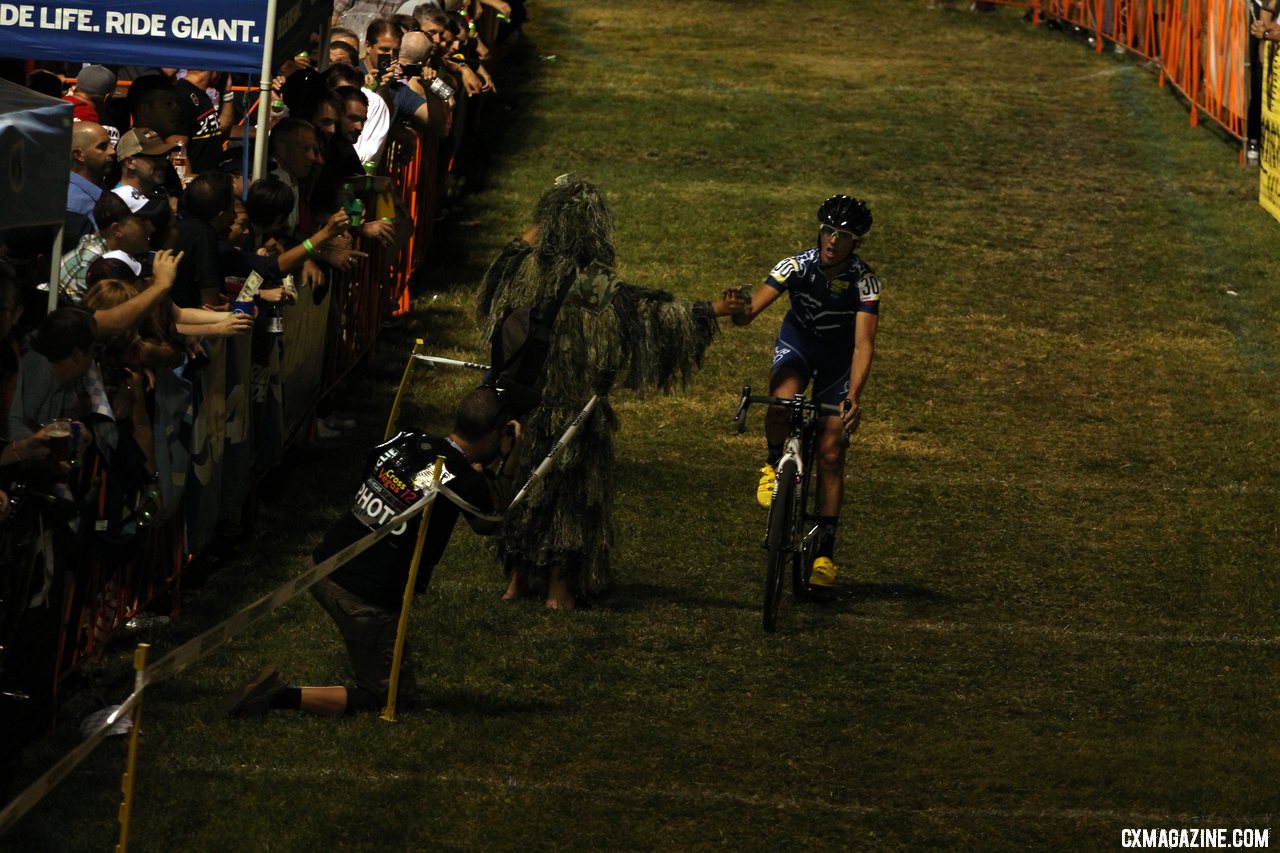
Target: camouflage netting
640, 338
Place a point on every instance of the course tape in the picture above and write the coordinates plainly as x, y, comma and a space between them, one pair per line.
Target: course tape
193, 650
37, 790
453, 362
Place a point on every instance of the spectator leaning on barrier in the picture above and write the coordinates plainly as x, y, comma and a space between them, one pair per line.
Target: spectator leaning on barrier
416, 56
21, 456
120, 229
441, 29
268, 204
341, 53
49, 376
208, 206
377, 122
340, 157
406, 104
131, 454
307, 96
381, 47
355, 111
298, 157
415, 52
407, 24
92, 156
237, 260
364, 595
342, 35
467, 50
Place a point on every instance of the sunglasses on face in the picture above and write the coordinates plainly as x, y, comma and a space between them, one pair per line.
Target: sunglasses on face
839, 233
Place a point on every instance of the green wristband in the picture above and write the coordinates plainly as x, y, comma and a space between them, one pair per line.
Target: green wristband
306, 244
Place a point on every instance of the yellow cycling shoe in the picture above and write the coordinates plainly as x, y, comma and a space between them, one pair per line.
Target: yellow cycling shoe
823, 575
764, 490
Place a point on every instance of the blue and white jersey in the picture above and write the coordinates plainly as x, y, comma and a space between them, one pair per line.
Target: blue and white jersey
826, 309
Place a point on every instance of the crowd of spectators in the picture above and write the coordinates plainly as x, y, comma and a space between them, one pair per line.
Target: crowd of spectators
164, 233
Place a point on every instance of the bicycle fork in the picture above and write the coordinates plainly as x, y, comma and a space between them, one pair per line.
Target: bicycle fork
792, 452
812, 532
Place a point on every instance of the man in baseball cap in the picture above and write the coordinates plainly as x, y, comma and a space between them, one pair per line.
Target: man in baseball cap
141, 204
89, 95
122, 229
144, 141
144, 168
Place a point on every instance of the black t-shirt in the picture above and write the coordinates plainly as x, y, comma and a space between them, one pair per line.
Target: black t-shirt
395, 476
343, 161
200, 125
198, 268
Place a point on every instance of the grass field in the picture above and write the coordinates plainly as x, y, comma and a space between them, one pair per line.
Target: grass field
1057, 616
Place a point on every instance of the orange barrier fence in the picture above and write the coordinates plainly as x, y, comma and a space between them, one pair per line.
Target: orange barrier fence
1201, 46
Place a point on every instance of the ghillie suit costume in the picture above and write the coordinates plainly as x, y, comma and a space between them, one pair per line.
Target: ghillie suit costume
604, 332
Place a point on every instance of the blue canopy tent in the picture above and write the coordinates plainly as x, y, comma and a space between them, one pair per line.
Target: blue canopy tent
35, 141
35, 138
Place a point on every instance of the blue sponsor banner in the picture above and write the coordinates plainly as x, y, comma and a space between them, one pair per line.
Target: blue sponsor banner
224, 36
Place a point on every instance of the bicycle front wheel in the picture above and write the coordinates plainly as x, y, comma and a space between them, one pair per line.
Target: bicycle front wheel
800, 569
779, 544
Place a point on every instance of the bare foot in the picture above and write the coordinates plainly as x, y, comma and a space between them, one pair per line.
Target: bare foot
558, 595
513, 588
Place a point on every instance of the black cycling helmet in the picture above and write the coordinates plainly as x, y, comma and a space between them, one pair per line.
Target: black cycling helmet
847, 213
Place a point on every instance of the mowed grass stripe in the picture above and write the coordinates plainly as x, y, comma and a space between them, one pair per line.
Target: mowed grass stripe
700, 794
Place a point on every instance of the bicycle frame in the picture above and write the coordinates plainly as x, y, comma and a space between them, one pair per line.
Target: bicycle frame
801, 447
785, 534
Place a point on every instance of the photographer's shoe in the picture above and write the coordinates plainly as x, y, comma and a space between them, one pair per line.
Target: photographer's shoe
764, 490
824, 573
255, 697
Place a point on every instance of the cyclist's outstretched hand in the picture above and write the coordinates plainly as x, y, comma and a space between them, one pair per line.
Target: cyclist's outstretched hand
730, 302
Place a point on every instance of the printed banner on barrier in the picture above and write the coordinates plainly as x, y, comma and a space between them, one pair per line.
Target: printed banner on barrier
1269, 171
227, 36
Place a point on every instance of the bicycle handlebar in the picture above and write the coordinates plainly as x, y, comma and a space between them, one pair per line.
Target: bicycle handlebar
797, 404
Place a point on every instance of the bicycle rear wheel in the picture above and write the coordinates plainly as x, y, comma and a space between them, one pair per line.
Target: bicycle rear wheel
779, 545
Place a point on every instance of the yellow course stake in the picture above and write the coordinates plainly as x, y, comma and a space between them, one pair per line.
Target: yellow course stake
126, 783
389, 712
394, 420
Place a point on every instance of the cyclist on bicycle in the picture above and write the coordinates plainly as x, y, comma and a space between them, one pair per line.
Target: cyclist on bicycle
828, 336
